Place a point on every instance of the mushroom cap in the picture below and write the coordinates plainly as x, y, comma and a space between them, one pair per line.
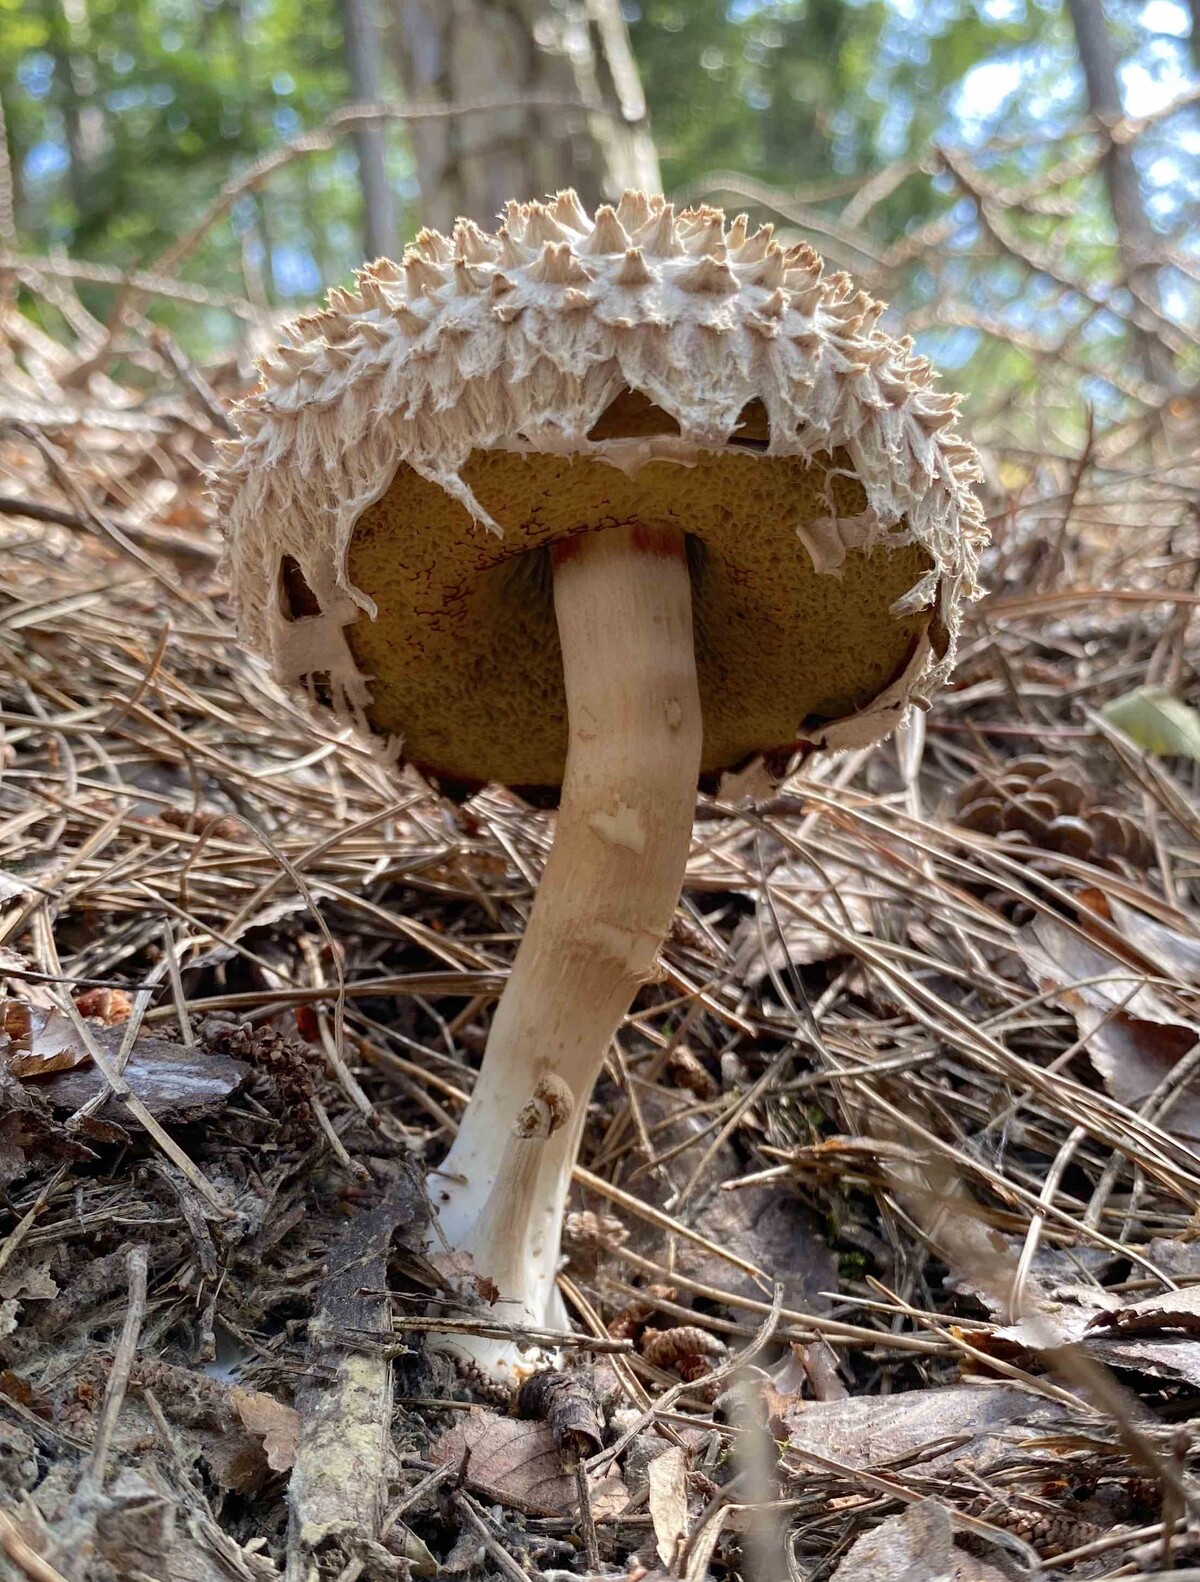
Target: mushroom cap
413, 452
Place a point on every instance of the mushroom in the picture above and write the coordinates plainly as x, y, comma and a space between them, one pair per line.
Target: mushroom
596, 509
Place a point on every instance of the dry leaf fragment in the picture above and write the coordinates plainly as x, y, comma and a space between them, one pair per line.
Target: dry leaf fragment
915, 1546
974, 1424
789, 927
667, 1475
1177, 1310
1154, 719
37, 1042
277, 1424
518, 1464
1133, 1037
1174, 953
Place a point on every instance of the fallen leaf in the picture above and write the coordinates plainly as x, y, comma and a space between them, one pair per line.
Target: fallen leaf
277, 1425
11, 887
983, 1421
1168, 1357
915, 1546
667, 1475
787, 926
1178, 1310
519, 1465
1174, 953
1155, 720
1133, 1037
37, 1042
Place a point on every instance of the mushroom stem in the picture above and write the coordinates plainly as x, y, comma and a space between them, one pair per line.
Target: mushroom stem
622, 598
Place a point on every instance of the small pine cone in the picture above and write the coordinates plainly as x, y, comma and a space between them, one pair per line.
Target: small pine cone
687, 1071
288, 1062
1049, 1532
680, 1348
202, 822
632, 1319
1051, 805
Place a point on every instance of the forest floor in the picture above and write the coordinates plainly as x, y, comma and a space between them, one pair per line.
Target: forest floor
883, 1252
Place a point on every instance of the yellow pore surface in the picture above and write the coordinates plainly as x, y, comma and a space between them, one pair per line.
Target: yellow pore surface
463, 660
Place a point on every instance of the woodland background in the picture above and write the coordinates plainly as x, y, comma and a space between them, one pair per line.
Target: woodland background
1019, 177
922, 1067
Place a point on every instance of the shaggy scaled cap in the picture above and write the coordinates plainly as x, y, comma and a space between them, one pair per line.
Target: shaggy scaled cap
413, 452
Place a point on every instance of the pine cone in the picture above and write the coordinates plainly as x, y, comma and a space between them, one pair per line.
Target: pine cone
634, 1316
1050, 804
290, 1063
687, 1348
1050, 1532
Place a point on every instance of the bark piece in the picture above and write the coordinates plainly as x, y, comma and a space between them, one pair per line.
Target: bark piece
338, 1486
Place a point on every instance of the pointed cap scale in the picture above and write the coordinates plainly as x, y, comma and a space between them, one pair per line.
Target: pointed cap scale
710, 274
756, 246
608, 234
633, 210
542, 227
633, 270
658, 237
495, 390
472, 244
568, 211
422, 276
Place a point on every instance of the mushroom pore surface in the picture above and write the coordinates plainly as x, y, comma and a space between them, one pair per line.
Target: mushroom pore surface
463, 656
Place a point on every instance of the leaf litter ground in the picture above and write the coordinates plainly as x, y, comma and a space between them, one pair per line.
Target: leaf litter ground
882, 1255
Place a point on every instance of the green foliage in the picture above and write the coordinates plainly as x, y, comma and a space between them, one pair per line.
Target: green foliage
1156, 721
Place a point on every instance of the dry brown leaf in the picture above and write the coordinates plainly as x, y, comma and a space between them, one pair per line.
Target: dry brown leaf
1178, 1310
277, 1425
1078, 1323
1174, 953
35, 1284
667, 1498
790, 928
518, 1464
36, 1042
983, 1421
915, 1546
1133, 1037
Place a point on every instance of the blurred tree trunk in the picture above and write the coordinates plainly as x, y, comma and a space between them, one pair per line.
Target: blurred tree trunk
69, 42
1194, 8
1135, 235
465, 51
361, 44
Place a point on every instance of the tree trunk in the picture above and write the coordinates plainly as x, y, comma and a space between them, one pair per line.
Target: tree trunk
1135, 235
360, 37
83, 119
467, 51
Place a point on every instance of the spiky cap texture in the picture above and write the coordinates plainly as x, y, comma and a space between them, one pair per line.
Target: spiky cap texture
493, 393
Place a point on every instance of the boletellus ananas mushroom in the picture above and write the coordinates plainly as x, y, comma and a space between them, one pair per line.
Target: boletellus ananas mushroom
596, 509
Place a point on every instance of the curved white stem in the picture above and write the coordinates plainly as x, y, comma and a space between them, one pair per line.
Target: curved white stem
622, 598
